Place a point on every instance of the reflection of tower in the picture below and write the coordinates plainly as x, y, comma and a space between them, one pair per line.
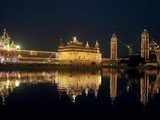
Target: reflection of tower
113, 45
145, 44
144, 89
113, 84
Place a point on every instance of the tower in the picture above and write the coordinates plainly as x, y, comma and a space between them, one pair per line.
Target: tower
145, 44
113, 49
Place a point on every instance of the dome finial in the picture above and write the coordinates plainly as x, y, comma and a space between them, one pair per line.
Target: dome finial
87, 45
114, 35
97, 44
74, 39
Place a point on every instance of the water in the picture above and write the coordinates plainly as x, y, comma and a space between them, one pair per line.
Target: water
70, 91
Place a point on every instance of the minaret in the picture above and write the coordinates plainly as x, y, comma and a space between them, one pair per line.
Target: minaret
145, 44
113, 49
75, 39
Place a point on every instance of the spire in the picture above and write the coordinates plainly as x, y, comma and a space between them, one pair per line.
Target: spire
145, 31
4, 33
114, 35
61, 43
87, 45
12, 44
74, 39
97, 44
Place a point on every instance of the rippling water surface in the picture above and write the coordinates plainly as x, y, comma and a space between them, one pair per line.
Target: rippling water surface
99, 91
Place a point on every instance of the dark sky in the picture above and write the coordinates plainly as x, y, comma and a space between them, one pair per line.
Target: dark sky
39, 24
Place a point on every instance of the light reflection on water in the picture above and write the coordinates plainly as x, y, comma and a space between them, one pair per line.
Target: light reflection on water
117, 85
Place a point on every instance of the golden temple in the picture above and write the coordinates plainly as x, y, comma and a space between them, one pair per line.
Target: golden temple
75, 52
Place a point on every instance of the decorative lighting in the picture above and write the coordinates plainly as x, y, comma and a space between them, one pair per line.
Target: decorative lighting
18, 47
2, 60
74, 39
17, 83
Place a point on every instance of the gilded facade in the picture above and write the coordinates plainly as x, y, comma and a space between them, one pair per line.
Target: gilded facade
75, 52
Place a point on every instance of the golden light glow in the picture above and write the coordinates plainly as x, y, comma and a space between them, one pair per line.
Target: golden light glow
77, 53
7, 43
18, 47
73, 83
17, 83
77, 82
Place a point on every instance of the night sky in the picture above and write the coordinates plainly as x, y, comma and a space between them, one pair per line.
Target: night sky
40, 24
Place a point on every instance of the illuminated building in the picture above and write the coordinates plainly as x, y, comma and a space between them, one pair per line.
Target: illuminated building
7, 48
7, 43
75, 52
12, 53
26, 56
113, 49
145, 44
32, 56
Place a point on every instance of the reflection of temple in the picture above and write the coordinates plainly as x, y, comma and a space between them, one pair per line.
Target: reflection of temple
76, 52
74, 83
